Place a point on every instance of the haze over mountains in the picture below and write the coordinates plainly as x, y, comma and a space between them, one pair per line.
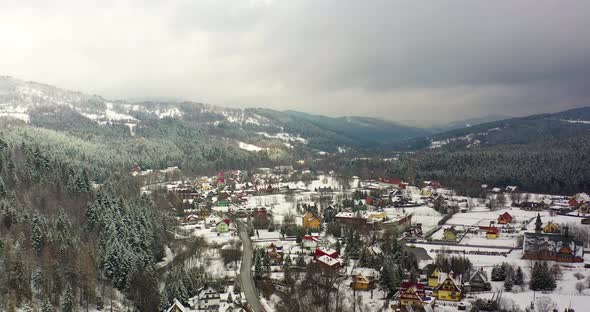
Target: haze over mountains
51, 107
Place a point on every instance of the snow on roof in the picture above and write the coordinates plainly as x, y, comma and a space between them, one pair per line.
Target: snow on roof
328, 260
177, 304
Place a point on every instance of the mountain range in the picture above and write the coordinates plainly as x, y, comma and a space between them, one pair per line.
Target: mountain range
256, 129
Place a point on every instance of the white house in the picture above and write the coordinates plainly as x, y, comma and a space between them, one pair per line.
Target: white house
208, 299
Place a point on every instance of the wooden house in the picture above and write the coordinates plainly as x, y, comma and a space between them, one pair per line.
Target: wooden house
433, 277
449, 287
327, 262
450, 234
360, 282
552, 247
505, 218
222, 226
478, 281
492, 232
209, 298
412, 294
311, 221
177, 307
551, 228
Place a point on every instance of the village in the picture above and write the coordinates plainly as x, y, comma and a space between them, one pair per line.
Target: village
381, 244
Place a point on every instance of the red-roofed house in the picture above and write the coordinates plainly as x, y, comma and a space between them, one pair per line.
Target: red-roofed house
505, 218
493, 232
326, 252
328, 262
412, 294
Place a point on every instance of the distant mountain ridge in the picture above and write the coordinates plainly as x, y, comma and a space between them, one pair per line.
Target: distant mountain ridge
50, 107
32, 102
519, 130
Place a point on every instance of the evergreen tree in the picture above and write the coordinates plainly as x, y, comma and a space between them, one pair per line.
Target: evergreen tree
47, 306
300, 261
258, 266
67, 299
519, 277
508, 283
2, 188
541, 278
37, 234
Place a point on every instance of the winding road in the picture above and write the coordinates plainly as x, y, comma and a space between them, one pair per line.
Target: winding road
246, 280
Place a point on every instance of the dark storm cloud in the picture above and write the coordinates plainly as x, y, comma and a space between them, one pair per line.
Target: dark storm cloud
435, 60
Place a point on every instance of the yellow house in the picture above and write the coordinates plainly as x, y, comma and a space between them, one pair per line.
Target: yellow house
426, 192
449, 289
360, 282
450, 234
551, 228
433, 278
493, 233
376, 216
311, 221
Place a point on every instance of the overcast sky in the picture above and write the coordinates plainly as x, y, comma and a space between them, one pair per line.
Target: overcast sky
400, 60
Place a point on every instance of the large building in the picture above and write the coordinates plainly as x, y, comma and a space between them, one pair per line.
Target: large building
560, 247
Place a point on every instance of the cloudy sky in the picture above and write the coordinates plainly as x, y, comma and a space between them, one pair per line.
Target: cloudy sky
400, 60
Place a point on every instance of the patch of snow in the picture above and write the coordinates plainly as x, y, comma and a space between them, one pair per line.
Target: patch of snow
287, 137
576, 121
171, 112
249, 147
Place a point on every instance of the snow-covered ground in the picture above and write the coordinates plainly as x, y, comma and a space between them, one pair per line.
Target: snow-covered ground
249, 147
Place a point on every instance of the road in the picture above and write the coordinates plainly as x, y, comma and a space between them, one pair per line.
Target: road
246, 280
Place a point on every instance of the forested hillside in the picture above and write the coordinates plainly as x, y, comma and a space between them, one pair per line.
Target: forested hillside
552, 167
66, 241
523, 130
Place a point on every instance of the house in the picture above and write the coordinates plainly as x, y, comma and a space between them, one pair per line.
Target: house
433, 277
310, 242
449, 287
208, 299
275, 253
360, 282
326, 252
192, 218
584, 209
177, 307
511, 188
492, 232
505, 218
412, 294
560, 247
311, 221
450, 234
222, 226
478, 281
579, 199
328, 262
203, 213
545, 203
551, 228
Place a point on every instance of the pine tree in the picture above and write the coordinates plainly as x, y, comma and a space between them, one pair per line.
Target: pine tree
508, 283
2, 188
519, 277
37, 234
47, 306
229, 298
266, 261
541, 278
258, 267
300, 261
67, 299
